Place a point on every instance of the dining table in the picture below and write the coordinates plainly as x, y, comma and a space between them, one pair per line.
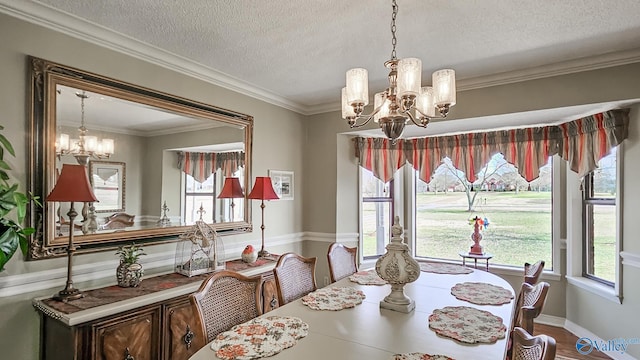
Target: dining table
367, 331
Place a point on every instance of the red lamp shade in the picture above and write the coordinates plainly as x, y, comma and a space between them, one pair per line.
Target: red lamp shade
263, 189
231, 189
72, 185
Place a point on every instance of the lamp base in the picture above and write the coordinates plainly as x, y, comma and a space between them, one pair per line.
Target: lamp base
263, 253
68, 295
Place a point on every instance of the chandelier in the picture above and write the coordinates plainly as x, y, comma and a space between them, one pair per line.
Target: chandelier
404, 99
85, 146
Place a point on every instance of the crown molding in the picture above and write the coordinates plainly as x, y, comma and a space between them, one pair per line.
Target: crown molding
76, 27
65, 23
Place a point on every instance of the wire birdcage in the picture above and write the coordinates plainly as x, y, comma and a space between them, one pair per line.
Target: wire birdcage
200, 250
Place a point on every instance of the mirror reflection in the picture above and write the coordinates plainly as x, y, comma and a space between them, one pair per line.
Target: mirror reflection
172, 160
156, 163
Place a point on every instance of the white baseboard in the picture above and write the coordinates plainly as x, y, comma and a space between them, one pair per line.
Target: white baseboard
550, 320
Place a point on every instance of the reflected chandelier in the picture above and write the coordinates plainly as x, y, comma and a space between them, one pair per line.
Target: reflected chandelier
404, 99
85, 146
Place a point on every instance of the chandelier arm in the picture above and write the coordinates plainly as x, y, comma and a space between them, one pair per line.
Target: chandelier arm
424, 121
368, 118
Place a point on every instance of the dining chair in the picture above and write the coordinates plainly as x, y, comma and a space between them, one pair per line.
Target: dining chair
527, 347
532, 272
225, 299
529, 304
343, 261
295, 277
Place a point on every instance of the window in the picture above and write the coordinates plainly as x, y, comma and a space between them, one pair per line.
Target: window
376, 214
519, 213
199, 194
599, 223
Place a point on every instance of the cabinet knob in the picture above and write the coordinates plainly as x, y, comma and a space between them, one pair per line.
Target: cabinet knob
127, 355
188, 337
273, 302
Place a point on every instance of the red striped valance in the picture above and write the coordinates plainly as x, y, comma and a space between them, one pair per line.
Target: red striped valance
581, 142
201, 165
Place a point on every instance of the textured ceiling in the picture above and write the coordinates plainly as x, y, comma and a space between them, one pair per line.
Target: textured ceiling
295, 53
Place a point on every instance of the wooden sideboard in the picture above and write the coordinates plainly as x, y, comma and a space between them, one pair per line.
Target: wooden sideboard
154, 321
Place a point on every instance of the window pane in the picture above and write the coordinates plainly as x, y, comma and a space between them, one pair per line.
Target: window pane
601, 261
375, 228
372, 186
519, 214
193, 186
604, 177
192, 206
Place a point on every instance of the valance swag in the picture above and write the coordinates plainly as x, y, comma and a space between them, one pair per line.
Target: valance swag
201, 165
582, 142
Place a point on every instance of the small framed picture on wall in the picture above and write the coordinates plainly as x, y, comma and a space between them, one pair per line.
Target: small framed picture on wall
282, 183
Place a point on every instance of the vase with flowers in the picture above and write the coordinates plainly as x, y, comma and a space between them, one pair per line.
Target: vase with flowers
478, 225
129, 272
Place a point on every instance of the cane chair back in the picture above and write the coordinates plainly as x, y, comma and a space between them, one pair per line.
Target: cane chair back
343, 261
532, 272
529, 304
527, 347
226, 299
295, 277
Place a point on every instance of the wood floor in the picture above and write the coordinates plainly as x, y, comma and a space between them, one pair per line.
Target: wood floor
566, 343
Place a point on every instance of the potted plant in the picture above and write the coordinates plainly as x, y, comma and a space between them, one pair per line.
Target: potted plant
129, 272
13, 208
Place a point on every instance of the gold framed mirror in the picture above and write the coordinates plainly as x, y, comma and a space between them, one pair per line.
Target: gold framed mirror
177, 154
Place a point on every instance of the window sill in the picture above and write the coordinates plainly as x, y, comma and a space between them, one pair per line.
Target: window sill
595, 288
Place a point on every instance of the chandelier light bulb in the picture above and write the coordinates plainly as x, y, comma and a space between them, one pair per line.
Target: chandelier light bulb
425, 102
444, 84
358, 86
409, 74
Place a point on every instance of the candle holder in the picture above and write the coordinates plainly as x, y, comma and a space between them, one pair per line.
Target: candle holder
476, 236
398, 268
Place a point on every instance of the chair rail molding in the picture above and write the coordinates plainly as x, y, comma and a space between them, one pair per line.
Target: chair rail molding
630, 259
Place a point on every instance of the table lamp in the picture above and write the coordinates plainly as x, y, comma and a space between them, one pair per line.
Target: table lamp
231, 190
263, 190
72, 186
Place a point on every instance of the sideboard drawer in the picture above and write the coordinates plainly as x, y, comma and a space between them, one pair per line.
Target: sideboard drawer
133, 336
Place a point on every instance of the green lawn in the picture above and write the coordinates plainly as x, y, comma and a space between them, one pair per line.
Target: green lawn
519, 230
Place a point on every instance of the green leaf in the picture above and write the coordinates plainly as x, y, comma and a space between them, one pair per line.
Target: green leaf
4, 165
9, 241
7, 145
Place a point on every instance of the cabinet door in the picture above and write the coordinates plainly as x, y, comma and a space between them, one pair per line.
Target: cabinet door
182, 335
132, 336
269, 294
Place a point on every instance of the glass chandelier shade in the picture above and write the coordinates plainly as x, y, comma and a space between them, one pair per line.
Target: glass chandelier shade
404, 100
85, 146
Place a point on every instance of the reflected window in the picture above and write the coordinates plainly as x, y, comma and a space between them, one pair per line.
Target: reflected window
199, 195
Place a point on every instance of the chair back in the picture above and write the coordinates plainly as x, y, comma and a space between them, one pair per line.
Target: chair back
529, 304
295, 277
226, 299
527, 347
343, 261
532, 272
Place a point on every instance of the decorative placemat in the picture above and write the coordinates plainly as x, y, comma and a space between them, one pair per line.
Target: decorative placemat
333, 298
482, 293
420, 356
467, 324
369, 277
260, 337
440, 268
